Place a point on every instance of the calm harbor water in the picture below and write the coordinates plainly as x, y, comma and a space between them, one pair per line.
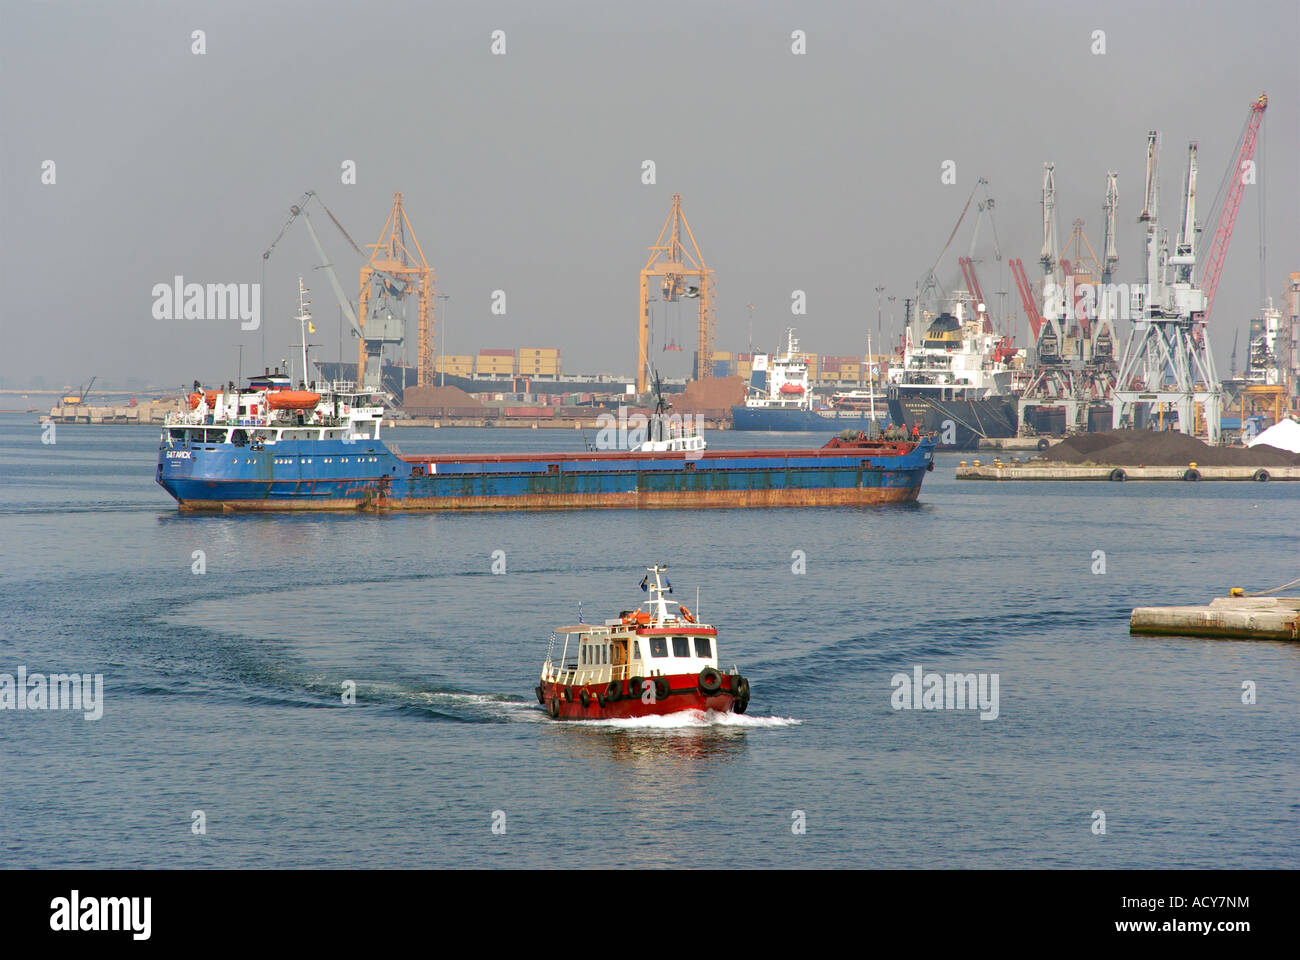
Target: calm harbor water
222, 689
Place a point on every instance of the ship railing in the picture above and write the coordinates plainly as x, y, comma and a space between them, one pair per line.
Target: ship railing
569, 674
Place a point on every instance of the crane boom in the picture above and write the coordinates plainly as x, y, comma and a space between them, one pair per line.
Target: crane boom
300, 209
337, 287
1228, 218
1185, 252
1026, 297
973, 284
1051, 250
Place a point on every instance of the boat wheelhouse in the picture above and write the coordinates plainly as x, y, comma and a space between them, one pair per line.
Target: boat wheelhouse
647, 662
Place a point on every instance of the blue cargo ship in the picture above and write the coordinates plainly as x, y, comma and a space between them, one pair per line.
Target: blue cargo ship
780, 399
270, 447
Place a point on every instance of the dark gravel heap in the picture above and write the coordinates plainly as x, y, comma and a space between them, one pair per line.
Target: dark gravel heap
1149, 448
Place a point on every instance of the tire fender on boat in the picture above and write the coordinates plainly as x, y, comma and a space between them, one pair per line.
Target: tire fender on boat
710, 681
613, 691
635, 687
553, 707
662, 690
740, 694
585, 697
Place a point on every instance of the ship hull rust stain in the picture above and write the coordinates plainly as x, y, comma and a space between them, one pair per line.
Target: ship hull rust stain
639, 500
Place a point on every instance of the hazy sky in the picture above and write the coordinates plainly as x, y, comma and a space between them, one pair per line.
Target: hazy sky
522, 172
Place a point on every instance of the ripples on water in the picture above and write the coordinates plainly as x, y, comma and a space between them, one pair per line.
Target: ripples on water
223, 690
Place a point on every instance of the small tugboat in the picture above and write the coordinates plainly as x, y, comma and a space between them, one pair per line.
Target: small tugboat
641, 663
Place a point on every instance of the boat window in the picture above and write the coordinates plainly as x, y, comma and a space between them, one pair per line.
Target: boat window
636, 650
586, 651
681, 646
176, 434
658, 646
702, 647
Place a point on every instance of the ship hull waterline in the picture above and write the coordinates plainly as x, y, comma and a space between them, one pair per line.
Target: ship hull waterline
637, 500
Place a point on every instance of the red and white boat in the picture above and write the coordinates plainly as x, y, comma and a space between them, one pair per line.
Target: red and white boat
641, 663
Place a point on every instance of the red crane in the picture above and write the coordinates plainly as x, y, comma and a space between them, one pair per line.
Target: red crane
1027, 296
1228, 218
973, 285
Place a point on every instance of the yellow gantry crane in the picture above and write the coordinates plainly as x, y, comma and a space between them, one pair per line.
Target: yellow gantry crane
673, 263
395, 270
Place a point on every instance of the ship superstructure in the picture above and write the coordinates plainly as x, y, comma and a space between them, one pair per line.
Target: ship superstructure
955, 378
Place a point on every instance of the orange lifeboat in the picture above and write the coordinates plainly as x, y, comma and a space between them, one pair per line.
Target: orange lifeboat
195, 400
791, 388
292, 399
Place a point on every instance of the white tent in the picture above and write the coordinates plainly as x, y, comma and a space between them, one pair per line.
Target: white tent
1284, 435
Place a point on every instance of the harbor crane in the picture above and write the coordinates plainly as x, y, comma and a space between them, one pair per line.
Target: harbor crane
395, 271
673, 262
1103, 334
928, 288
1168, 362
73, 399
1073, 333
1228, 218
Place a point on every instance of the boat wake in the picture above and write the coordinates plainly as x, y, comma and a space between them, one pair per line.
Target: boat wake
691, 720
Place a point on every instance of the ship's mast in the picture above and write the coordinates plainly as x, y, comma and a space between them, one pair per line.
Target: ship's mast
658, 605
304, 318
871, 381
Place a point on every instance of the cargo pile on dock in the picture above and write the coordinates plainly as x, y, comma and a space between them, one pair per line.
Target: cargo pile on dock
1119, 455
1149, 448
